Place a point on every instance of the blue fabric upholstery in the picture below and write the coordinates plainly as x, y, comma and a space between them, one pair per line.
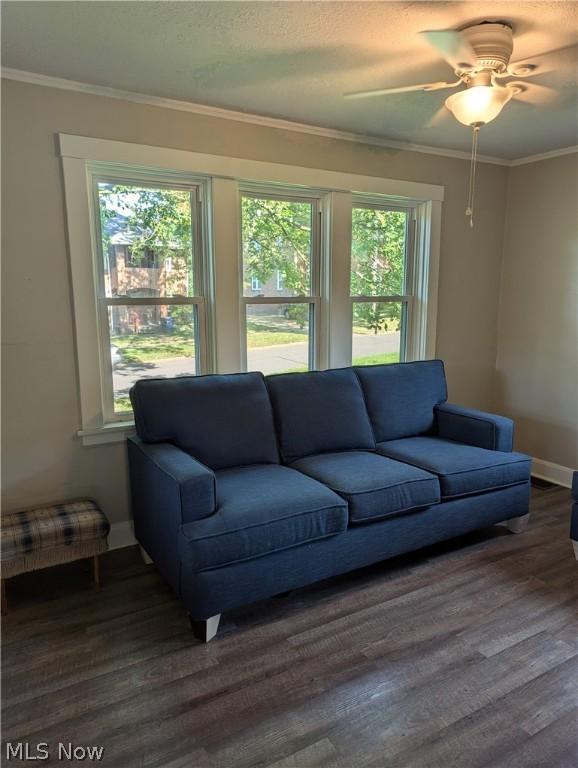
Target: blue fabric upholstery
318, 412
574, 514
486, 430
401, 397
261, 509
462, 469
374, 487
223, 421
222, 589
168, 488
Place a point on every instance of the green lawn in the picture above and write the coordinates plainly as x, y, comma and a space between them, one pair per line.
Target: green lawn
122, 404
263, 331
271, 330
148, 347
386, 357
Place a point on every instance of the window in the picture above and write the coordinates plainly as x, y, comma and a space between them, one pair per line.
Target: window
180, 265
380, 283
149, 307
280, 249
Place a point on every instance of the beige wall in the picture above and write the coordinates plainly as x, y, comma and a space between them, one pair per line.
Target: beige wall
43, 458
537, 364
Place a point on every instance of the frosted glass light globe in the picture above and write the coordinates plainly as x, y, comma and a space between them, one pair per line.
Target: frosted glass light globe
479, 104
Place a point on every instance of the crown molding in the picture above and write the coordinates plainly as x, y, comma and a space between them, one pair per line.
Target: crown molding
48, 81
544, 156
35, 78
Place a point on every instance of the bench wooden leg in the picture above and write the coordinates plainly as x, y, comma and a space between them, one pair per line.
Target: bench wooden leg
4, 600
96, 572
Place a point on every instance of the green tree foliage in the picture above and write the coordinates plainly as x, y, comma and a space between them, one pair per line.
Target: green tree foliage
159, 219
277, 237
377, 266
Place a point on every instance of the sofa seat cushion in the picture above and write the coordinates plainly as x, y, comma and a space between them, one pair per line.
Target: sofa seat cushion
261, 509
374, 487
462, 469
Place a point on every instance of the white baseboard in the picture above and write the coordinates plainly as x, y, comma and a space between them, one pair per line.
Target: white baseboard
553, 473
121, 535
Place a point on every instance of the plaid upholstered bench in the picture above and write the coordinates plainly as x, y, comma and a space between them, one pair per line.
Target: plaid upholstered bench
56, 533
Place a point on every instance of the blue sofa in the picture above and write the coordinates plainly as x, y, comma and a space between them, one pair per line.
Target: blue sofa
574, 516
244, 487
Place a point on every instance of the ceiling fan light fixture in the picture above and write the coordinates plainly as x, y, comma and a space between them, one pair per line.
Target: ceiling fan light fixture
478, 104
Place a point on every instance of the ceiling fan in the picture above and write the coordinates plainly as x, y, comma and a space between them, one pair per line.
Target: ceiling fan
480, 58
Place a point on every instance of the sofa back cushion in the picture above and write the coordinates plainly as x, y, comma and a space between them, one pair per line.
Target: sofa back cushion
401, 397
223, 421
318, 412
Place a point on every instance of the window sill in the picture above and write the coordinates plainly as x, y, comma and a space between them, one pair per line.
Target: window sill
115, 432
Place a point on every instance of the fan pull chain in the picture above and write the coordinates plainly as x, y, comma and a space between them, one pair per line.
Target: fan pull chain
472, 187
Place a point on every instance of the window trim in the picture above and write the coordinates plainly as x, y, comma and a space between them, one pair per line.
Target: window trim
221, 226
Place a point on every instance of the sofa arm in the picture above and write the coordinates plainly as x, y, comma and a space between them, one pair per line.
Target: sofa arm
466, 425
177, 480
168, 488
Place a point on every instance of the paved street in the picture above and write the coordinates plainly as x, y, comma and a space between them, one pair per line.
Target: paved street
276, 359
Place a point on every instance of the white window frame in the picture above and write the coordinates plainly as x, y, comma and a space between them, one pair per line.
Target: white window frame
279, 280
409, 341
317, 344
224, 177
255, 284
99, 174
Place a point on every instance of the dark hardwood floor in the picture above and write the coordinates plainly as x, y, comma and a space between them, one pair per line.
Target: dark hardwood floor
460, 656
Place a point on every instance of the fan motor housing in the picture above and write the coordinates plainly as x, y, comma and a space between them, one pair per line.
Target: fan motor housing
493, 44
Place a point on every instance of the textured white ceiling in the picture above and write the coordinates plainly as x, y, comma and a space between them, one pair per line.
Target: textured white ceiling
294, 60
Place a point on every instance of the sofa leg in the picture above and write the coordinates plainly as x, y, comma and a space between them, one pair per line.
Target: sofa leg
145, 556
518, 524
575, 547
205, 629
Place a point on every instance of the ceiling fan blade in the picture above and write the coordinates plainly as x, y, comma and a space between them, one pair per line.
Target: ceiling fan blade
402, 89
438, 118
532, 93
458, 53
542, 63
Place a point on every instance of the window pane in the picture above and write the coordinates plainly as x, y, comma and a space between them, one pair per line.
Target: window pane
277, 337
146, 240
377, 332
149, 341
276, 247
378, 252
